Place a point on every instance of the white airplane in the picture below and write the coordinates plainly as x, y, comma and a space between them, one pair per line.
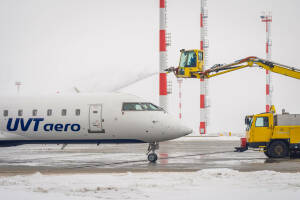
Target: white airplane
86, 118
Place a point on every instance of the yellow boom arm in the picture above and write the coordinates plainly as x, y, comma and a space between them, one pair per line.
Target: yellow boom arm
188, 68
250, 62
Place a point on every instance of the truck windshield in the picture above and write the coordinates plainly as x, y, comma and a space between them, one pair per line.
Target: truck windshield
188, 59
248, 122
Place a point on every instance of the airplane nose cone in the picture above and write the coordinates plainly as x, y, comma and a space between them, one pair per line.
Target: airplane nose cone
185, 130
180, 129
172, 128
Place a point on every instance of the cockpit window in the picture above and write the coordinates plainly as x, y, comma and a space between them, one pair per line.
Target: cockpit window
140, 107
132, 106
188, 59
183, 59
150, 106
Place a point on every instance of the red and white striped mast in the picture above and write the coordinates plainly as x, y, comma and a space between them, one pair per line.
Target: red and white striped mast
203, 82
163, 91
18, 84
267, 19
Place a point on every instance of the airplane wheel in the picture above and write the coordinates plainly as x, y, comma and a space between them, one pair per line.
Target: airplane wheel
152, 157
278, 149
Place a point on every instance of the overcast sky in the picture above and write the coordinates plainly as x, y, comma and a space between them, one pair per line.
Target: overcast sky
51, 45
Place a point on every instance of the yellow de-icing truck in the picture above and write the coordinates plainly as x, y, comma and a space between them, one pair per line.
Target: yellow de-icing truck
191, 66
278, 135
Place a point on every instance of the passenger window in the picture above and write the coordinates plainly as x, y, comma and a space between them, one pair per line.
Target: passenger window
5, 113
20, 113
132, 107
49, 112
262, 122
34, 112
64, 112
77, 112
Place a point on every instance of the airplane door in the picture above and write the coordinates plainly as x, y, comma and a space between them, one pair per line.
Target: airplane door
95, 119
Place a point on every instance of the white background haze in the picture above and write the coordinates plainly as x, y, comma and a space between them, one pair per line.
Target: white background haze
53, 45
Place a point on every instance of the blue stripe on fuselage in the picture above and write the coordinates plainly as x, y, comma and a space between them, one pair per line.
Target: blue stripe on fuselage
7, 143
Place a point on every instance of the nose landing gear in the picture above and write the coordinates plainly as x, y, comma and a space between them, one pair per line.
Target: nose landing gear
152, 156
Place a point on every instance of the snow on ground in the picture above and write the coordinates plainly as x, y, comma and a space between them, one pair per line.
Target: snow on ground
205, 184
206, 138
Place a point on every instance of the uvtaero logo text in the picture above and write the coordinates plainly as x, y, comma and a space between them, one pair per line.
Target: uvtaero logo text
15, 124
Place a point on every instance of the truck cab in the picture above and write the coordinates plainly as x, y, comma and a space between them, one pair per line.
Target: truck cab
259, 129
277, 135
190, 64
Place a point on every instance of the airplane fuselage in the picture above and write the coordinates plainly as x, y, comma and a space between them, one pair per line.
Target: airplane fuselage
85, 118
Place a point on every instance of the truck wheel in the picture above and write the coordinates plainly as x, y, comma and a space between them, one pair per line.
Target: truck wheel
278, 149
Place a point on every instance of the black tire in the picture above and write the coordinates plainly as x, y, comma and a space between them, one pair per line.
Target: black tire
278, 149
152, 157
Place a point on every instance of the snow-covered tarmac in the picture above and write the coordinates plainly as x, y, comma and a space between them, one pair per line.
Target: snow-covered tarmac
190, 168
187, 155
205, 184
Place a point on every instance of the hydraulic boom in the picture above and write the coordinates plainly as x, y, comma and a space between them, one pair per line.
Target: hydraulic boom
191, 66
